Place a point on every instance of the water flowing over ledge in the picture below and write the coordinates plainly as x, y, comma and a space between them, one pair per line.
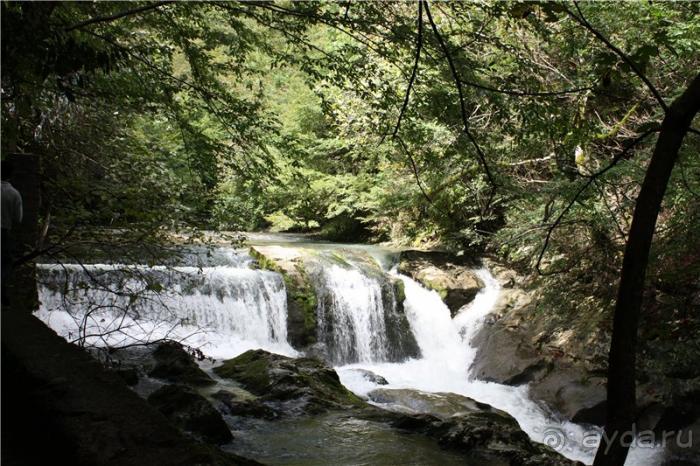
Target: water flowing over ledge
227, 308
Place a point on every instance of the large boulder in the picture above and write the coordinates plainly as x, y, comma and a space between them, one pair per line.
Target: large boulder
441, 405
450, 276
191, 412
481, 431
308, 382
507, 355
174, 364
486, 437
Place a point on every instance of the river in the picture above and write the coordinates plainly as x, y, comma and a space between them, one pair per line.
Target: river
214, 301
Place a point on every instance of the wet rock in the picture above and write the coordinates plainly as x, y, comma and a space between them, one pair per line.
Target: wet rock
489, 437
236, 406
596, 414
504, 356
683, 410
174, 364
310, 383
507, 355
441, 405
451, 276
402, 343
371, 376
191, 412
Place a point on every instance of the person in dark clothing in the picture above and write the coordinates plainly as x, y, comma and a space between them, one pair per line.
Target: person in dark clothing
11, 218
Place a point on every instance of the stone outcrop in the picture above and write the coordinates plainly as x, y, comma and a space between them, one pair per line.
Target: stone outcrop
452, 277
310, 317
86, 414
301, 296
512, 350
309, 383
441, 405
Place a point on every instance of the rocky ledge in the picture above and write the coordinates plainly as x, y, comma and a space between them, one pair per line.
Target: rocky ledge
451, 276
481, 432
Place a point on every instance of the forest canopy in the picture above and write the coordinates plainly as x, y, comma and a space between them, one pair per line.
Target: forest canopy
307, 116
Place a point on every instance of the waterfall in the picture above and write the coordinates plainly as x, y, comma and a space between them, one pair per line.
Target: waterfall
445, 368
351, 316
223, 309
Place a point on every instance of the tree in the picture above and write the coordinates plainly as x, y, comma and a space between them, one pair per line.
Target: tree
623, 348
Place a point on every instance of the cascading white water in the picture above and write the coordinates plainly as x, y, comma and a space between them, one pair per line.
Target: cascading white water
351, 318
228, 308
444, 367
225, 310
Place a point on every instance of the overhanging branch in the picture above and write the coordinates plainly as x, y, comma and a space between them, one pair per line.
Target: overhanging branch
116, 16
462, 105
414, 72
584, 22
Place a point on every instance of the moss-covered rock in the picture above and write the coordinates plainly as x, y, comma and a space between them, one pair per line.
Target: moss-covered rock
308, 381
302, 301
399, 292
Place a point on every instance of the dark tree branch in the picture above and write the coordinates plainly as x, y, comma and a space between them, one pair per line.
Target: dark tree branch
415, 169
583, 22
462, 105
580, 191
526, 93
419, 46
116, 16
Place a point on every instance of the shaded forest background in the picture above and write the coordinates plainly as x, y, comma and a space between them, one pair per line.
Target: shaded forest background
505, 127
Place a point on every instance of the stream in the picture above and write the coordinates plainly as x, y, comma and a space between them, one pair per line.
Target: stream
214, 301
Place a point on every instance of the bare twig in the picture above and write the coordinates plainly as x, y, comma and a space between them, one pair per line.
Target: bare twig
122, 14
526, 93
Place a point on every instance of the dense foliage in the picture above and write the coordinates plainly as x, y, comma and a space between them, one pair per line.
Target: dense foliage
312, 116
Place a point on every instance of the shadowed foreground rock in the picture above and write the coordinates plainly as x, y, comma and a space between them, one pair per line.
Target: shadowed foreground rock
478, 430
191, 412
61, 407
174, 364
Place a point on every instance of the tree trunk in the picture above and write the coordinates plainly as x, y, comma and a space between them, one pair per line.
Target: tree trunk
623, 347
